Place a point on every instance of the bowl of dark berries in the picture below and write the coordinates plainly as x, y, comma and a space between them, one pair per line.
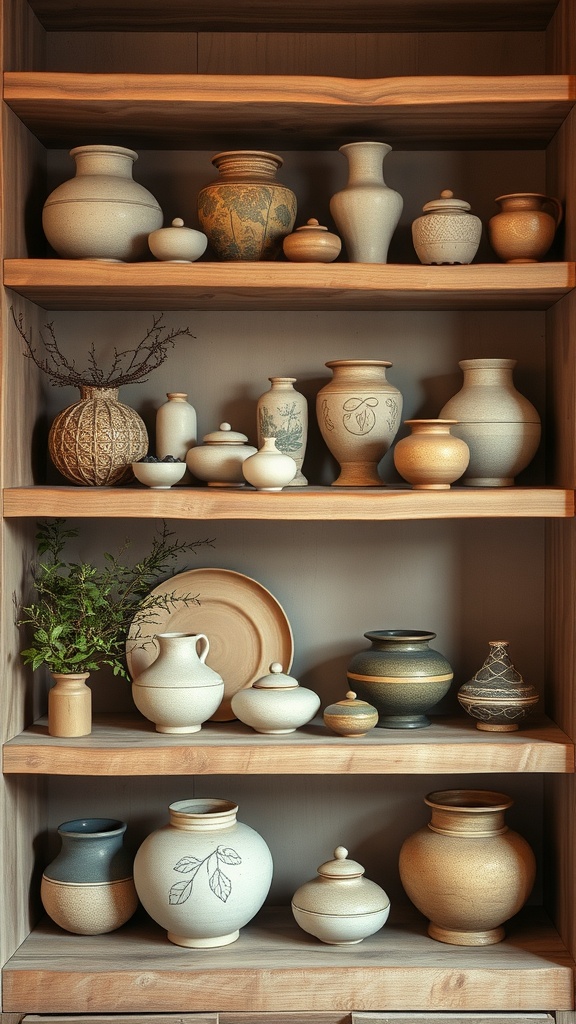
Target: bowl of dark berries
159, 473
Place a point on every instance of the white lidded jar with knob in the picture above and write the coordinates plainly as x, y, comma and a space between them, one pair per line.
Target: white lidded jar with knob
340, 906
275, 703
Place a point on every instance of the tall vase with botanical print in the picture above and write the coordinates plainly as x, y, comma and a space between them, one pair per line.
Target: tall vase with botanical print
282, 413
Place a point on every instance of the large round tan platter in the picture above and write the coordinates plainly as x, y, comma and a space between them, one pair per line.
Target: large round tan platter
245, 624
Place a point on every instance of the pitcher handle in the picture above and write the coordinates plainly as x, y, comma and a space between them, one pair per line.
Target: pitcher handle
557, 206
205, 647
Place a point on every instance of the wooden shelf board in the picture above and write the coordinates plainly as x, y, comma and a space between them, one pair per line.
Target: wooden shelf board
126, 745
315, 15
294, 503
91, 284
290, 112
275, 966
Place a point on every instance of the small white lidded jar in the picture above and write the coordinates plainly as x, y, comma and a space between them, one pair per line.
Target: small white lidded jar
447, 232
218, 460
275, 703
177, 244
340, 906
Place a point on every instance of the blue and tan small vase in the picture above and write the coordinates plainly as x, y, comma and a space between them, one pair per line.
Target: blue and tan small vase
88, 888
401, 676
496, 695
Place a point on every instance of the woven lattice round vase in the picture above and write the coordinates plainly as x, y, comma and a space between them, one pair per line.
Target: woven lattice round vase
94, 441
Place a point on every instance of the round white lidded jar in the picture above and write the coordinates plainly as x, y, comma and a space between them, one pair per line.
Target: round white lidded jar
275, 703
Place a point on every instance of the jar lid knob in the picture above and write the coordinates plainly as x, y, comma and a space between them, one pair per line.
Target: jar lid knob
177, 222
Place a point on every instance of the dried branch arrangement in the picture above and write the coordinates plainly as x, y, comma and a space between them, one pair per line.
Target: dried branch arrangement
128, 365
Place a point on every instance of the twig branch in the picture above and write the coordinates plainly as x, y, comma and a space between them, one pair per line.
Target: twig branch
128, 365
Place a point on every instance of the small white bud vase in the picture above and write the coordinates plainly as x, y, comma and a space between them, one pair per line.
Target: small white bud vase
101, 213
430, 458
176, 428
358, 414
204, 875
177, 244
282, 412
269, 469
366, 212
448, 232
178, 691
219, 459
340, 907
499, 425
275, 703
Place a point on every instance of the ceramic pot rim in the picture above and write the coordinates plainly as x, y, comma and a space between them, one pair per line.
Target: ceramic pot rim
358, 362
468, 801
399, 634
92, 828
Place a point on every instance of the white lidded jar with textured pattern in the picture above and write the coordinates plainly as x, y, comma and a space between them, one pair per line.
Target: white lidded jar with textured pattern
447, 232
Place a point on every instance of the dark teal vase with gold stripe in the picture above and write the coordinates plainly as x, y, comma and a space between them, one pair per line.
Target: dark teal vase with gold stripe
401, 676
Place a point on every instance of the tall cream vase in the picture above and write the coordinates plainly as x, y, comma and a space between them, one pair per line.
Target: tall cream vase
70, 705
366, 212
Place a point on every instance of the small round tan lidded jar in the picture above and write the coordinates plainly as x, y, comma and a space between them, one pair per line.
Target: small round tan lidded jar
350, 717
340, 907
448, 232
275, 703
219, 459
312, 243
177, 244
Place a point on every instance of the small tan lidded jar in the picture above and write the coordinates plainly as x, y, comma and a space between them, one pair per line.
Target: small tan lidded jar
350, 717
311, 243
340, 906
448, 232
275, 703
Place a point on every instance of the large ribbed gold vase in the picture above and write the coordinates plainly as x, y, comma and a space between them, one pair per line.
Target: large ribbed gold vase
94, 441
466, 871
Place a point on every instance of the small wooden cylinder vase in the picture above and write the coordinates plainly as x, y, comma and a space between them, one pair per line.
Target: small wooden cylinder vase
430, 458
70, 705
466, 871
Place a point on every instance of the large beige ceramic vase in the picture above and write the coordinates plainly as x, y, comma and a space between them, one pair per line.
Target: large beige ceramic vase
499, 425
94, 441
466, 871
358, 414
101, 213
246, 213
204, 875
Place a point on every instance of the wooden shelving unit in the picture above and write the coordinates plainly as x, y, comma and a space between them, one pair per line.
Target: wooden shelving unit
71, 284
313, 504
276, 967
128, 745
204, 103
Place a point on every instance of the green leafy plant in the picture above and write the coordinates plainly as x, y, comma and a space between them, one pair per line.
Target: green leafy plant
83, 612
